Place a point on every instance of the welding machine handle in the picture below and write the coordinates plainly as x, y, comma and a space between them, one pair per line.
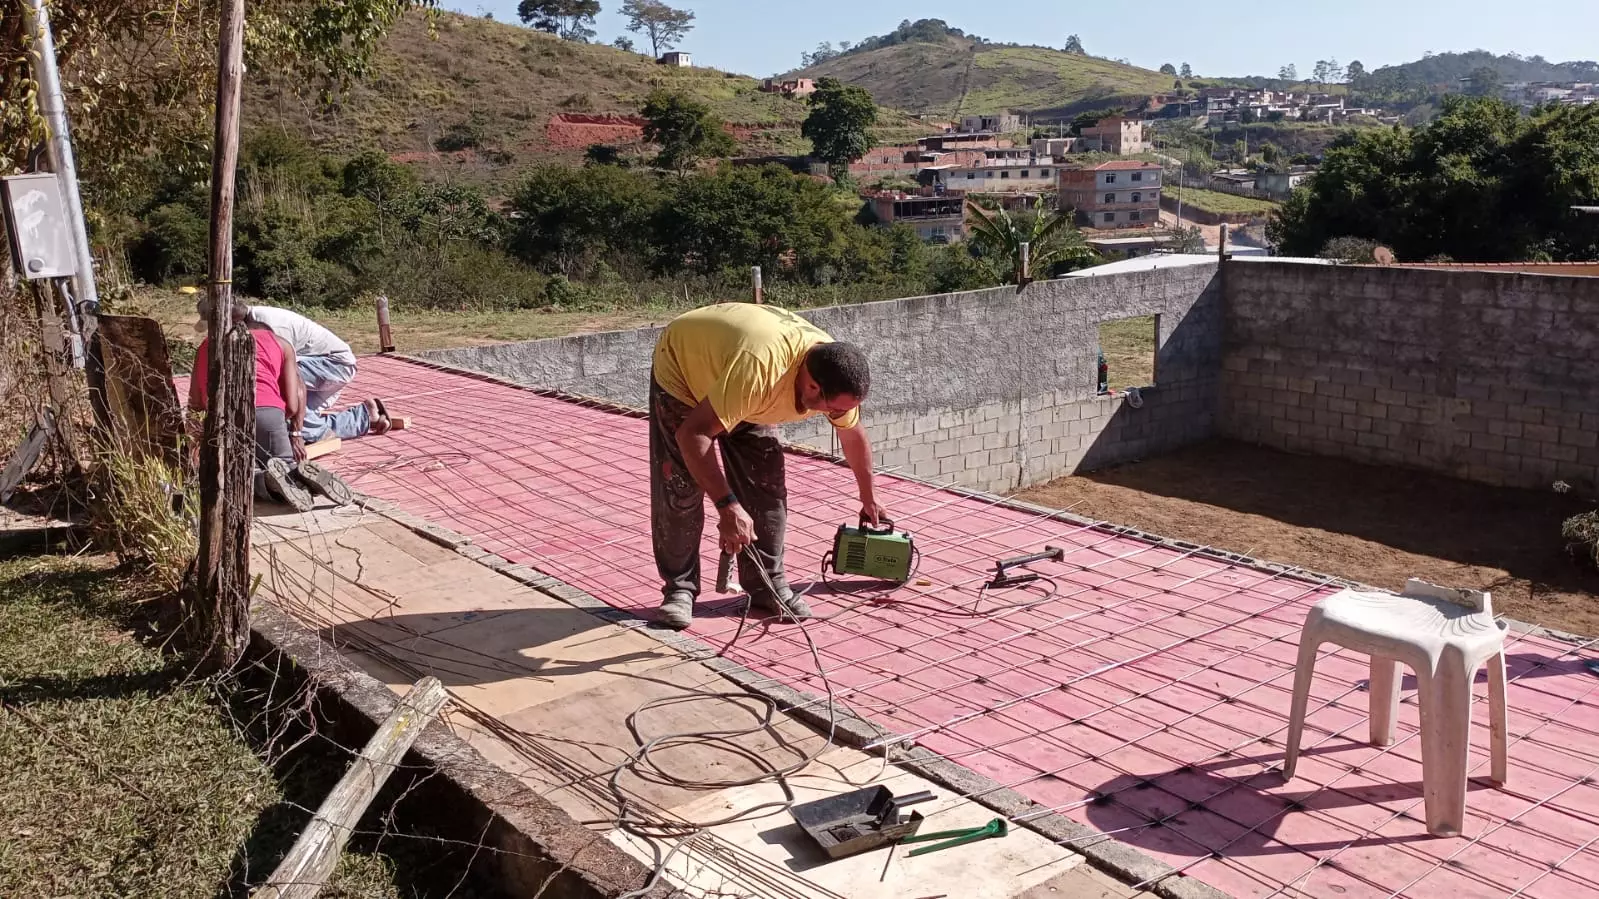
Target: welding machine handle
884, 526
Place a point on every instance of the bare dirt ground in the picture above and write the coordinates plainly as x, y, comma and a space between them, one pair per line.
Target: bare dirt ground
1374, 525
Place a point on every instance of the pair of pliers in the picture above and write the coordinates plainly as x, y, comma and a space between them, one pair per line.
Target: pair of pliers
994, 828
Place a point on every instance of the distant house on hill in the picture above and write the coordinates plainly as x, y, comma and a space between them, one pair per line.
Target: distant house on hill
793, 87
676, 58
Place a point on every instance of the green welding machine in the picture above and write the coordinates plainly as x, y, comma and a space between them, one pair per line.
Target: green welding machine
875, 552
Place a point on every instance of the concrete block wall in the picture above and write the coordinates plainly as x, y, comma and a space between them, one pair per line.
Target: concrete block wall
992, 389
1487, 376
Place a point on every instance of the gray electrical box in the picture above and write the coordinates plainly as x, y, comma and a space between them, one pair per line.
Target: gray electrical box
36, 222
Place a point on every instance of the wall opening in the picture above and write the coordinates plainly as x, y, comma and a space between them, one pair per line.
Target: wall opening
1127, 353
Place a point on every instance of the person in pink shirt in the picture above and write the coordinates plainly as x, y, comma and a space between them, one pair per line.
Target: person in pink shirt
282, 472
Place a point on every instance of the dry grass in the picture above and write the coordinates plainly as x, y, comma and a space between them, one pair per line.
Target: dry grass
508, 81
1129, 348
413, 331
122, 777
957, 77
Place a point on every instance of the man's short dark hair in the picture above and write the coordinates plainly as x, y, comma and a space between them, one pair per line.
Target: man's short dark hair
839, 368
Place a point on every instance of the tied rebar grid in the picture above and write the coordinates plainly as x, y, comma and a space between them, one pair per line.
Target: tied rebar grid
1165, 655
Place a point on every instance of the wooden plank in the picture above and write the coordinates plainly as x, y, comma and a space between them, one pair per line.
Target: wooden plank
399, 422
310, 863
130, 386
325, 447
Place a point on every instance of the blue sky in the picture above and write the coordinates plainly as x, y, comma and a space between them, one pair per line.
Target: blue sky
762, 37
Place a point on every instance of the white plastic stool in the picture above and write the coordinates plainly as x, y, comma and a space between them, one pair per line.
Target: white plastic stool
1444, 636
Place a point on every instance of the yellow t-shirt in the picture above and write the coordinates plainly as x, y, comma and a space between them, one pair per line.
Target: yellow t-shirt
744, 358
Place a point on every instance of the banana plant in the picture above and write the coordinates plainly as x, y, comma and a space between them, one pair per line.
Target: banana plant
1051, 239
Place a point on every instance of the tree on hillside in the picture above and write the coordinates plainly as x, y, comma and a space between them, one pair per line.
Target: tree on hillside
1327, 71
624, 43
1483, 81
823, 52
1074, 44
1168, 69
140, 77
1053, 242
663, 25
685, 129
1481, 183
569, 19
839, 126
1355, 71
1288, 72
1186, 72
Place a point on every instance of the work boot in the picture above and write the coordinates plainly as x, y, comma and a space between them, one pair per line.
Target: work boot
677, 611
282, 484
324, 483
787, 605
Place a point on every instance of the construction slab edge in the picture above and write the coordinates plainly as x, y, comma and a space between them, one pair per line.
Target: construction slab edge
1109, 855
531, 847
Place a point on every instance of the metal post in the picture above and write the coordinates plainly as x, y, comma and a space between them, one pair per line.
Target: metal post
755, 281
53, 106
385, 335
1026, 273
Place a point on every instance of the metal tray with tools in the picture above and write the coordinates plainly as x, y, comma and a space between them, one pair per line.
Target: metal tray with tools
858, 821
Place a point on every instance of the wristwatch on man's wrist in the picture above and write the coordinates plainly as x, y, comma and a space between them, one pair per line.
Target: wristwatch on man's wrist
726, 501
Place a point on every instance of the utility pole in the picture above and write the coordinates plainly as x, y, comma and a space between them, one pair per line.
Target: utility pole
53, 107
221, 624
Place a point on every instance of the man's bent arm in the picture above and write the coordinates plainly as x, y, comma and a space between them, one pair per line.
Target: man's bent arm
858, 453
696, 438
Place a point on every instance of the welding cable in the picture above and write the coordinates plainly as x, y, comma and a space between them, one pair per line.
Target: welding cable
642, 764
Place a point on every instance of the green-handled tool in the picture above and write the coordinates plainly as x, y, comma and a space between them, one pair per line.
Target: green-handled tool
994, 828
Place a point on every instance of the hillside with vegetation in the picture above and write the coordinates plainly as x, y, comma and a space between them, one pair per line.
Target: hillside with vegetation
478, 98
927, 67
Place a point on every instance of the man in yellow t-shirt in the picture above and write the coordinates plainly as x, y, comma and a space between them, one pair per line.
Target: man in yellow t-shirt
728, 375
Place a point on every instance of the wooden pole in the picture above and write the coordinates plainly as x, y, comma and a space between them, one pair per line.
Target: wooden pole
1221, 251
310, 863
755, 281
385, 335
56, 373
1026, 274
221, 624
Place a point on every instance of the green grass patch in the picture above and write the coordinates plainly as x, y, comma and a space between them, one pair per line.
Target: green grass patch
125, 777
1129, 348
1223, 203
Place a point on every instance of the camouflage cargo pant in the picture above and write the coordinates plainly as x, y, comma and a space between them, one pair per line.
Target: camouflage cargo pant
752, 458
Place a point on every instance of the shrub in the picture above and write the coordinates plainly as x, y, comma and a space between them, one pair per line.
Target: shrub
1355, 250
1581, 533
460, 136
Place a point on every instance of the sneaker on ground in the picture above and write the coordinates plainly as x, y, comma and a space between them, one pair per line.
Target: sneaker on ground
282, 483
677, 611
324, 483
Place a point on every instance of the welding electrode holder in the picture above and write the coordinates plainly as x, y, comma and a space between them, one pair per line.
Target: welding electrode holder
1002, 569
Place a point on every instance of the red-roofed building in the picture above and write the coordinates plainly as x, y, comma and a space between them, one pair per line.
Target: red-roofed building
1124, 193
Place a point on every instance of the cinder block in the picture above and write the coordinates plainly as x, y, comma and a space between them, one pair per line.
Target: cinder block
1373, 410
1346, 407
927, 469
1357, 423
1579, 437
1403, 414
986, 426
925, 424
922, 452
1329, 388
969, 445
1371, 441
951, 465
1558, 452
1489, 442
1360, 393
1541, 433
996, 440
1525, 414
